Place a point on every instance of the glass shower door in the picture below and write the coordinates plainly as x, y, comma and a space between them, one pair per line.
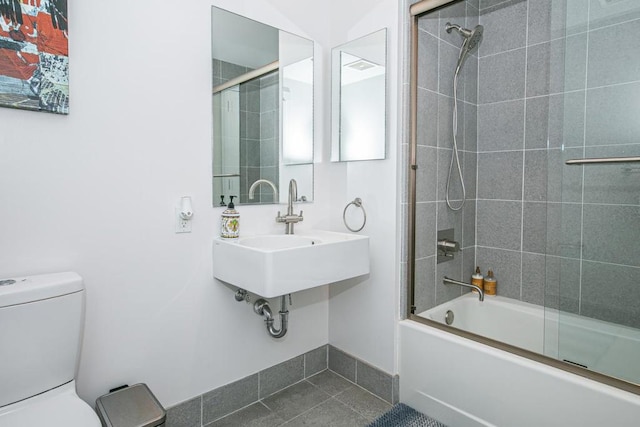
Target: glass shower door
592, 295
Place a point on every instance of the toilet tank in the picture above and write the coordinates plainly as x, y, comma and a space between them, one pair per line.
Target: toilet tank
41, 323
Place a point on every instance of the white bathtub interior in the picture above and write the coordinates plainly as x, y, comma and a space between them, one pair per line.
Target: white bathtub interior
594, 344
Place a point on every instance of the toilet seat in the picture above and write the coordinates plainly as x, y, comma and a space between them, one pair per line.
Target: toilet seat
60, 407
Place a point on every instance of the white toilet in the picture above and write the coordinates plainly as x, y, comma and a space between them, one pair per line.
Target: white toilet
41, 325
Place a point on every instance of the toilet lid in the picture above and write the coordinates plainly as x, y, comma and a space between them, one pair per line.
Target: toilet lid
56, 408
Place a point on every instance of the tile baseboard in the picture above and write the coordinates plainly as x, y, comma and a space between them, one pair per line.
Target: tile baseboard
222, 401
377, 382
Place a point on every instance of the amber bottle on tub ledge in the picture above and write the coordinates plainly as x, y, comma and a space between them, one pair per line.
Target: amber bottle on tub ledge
490, 284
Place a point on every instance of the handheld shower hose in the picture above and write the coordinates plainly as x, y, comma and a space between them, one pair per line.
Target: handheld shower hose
471, 40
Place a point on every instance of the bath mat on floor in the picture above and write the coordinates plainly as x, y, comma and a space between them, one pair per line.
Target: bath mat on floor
405, 416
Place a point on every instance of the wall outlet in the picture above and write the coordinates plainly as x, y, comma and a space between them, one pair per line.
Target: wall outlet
182, 225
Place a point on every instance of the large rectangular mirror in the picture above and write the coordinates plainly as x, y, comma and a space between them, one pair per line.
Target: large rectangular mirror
358, 107
262, 111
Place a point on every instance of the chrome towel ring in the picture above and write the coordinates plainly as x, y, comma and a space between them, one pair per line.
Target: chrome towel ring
357, 202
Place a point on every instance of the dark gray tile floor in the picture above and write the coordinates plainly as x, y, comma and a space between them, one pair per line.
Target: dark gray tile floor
326, 399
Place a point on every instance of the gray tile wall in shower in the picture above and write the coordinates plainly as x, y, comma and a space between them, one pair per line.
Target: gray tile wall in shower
546, 71
527, 65
610, 202
437, 59
580, 85
502, 82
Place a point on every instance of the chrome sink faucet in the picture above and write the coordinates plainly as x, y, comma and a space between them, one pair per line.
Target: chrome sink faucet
290, 218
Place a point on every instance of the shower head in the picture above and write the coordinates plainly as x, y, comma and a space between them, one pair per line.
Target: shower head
475, 38
471, 40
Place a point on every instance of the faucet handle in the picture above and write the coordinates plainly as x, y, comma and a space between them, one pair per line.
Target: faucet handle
300, 215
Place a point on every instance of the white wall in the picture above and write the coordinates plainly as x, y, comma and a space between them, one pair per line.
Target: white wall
94, 192
363, 129
363, 313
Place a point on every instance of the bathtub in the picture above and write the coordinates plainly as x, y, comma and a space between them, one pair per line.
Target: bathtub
463, 382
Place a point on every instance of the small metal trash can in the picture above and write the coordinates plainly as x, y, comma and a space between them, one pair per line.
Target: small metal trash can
133, 406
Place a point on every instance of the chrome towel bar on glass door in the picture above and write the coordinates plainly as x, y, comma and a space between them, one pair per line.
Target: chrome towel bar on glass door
602, 160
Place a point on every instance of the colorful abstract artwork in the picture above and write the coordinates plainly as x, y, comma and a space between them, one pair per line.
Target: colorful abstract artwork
34, 55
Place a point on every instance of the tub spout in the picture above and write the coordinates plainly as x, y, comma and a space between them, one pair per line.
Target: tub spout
448, 281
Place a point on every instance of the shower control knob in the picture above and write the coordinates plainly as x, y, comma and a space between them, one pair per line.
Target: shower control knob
448, 246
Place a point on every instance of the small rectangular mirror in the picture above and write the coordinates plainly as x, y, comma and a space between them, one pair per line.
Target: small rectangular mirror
358, 108
262, 111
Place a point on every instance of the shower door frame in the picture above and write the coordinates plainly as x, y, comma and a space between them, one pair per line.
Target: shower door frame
416, 10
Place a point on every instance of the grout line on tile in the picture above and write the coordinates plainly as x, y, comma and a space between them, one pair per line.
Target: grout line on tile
307, 411
231, 413
502, 52
265, 405
631, 82
609, 263
356, 411
607, 26
304, 365
493, 6
360, 387
282, 389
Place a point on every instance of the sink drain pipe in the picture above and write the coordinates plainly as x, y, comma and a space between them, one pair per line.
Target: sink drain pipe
261, 308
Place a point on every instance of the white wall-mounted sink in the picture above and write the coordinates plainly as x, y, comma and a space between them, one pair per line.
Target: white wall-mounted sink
279, 264
276, 242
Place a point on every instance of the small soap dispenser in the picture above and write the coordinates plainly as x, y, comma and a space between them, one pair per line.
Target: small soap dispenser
230, 225
490, 284
477, 279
